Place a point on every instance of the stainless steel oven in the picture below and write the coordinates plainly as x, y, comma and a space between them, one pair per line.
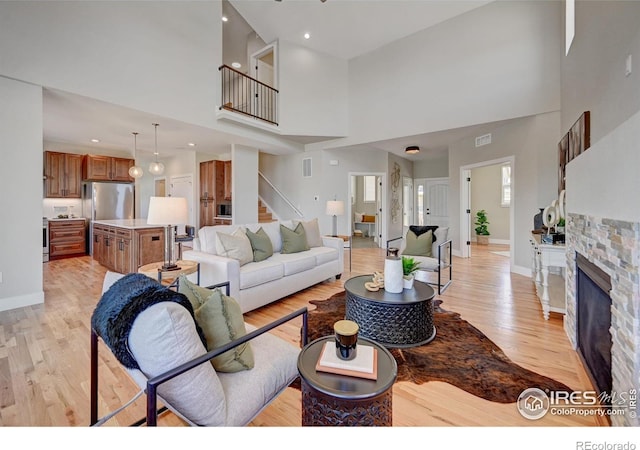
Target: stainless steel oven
45, 239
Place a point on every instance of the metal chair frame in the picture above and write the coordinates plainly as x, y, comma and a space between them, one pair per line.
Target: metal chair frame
154, 383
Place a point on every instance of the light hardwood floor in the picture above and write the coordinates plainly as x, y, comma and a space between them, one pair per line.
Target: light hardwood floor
44, 350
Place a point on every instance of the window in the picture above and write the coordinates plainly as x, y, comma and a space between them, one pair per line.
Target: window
570, 24
369, 188
505, 197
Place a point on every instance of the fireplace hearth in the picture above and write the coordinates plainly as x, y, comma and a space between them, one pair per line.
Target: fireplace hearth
593, 323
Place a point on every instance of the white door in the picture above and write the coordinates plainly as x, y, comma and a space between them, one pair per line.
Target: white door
407, 204
182, 186
436, 201
379, 210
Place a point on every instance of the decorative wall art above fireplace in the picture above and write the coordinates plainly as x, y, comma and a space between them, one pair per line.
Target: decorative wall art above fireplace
576, 141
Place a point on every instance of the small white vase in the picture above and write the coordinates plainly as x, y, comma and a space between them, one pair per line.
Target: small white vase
393, 281
408, 282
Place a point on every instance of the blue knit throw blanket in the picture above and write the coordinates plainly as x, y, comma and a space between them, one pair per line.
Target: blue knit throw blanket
120, 305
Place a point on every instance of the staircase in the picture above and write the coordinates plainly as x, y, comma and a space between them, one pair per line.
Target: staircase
263, 214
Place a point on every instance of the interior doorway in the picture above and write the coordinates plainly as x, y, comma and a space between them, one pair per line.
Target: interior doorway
160, 187
366, 209
468, 208
182, 186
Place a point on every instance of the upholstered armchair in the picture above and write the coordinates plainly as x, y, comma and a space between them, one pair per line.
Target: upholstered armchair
156, 337
430, 245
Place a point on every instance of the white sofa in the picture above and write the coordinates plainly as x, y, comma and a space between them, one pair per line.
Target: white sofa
256, 284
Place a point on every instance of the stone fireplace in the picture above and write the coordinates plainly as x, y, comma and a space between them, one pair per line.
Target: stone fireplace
613, 246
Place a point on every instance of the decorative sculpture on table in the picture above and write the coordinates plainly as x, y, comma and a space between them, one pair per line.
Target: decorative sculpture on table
552, 215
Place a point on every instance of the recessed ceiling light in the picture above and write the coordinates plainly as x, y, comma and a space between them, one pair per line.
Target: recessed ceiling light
236, 65
95, 141
307, 35
191, 144
225, 19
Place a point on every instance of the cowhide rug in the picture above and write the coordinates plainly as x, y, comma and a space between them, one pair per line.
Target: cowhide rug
460, 355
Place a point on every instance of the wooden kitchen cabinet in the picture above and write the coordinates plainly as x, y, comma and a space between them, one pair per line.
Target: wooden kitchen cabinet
123, 249
150, 246
106, 168
67, 238
207, 193
223, 180
227, 180
62, 175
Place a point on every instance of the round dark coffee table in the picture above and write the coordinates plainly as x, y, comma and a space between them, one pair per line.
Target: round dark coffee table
394, 320
341, 400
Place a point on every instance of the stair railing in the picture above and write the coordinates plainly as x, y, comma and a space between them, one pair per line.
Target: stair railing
277, 195
246, 95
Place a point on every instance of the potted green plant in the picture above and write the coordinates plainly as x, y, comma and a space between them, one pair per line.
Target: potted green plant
482, 231
409, 267
560, 225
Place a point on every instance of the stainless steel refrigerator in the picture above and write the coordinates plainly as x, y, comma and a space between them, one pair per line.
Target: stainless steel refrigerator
106, 201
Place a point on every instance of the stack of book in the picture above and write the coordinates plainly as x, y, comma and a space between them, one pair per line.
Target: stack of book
364, 365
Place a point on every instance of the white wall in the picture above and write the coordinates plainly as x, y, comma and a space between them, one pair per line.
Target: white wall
313, 92
533, 143
495, 62
159, 57
244, 184
327, 181
593, 73
486, 190
431, 168
22, 187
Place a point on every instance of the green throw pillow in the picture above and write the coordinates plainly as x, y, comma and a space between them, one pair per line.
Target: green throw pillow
221, 320
261, 244
294, 241
418, 245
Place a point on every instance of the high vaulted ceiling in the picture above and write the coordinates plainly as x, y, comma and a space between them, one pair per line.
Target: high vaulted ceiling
342, 28
347, 28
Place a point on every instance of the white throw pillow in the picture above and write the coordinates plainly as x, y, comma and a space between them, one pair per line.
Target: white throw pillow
236, 245
358, 216
312, 230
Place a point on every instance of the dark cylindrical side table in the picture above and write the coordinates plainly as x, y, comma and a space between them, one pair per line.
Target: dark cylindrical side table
340, 400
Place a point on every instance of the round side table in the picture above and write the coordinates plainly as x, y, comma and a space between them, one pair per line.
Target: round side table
341, 400
154, 270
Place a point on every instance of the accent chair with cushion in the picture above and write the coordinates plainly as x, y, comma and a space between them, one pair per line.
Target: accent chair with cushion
190, 350
430, 246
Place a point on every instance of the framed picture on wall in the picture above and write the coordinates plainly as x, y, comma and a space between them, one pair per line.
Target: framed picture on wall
572, 144
563, 159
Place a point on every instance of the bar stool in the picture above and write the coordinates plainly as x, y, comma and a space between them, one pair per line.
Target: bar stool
188, 237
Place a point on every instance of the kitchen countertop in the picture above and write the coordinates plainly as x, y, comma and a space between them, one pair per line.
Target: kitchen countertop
131, 224
55, 219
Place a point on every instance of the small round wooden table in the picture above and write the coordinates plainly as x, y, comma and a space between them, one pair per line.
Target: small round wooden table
341, 400
154, 270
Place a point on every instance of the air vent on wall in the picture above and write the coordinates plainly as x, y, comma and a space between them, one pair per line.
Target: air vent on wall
483, 140
306, 167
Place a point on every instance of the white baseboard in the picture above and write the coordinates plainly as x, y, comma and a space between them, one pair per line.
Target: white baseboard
20, 301
499, 241
520, 270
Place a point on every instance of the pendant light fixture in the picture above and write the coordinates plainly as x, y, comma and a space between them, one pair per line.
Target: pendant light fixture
156, 168
135, 171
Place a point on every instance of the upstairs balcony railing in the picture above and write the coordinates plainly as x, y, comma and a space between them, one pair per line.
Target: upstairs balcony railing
246, 95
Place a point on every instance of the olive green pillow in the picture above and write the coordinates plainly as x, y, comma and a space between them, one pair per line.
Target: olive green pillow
221, 320
293, 241
418, 245
261, 244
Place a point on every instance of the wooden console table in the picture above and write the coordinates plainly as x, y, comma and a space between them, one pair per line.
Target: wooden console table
544, 256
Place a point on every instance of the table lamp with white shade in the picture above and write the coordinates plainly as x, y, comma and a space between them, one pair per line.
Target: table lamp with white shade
169, 212
335, 208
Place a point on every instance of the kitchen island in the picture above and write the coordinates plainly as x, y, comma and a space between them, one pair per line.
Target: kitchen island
123, 245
